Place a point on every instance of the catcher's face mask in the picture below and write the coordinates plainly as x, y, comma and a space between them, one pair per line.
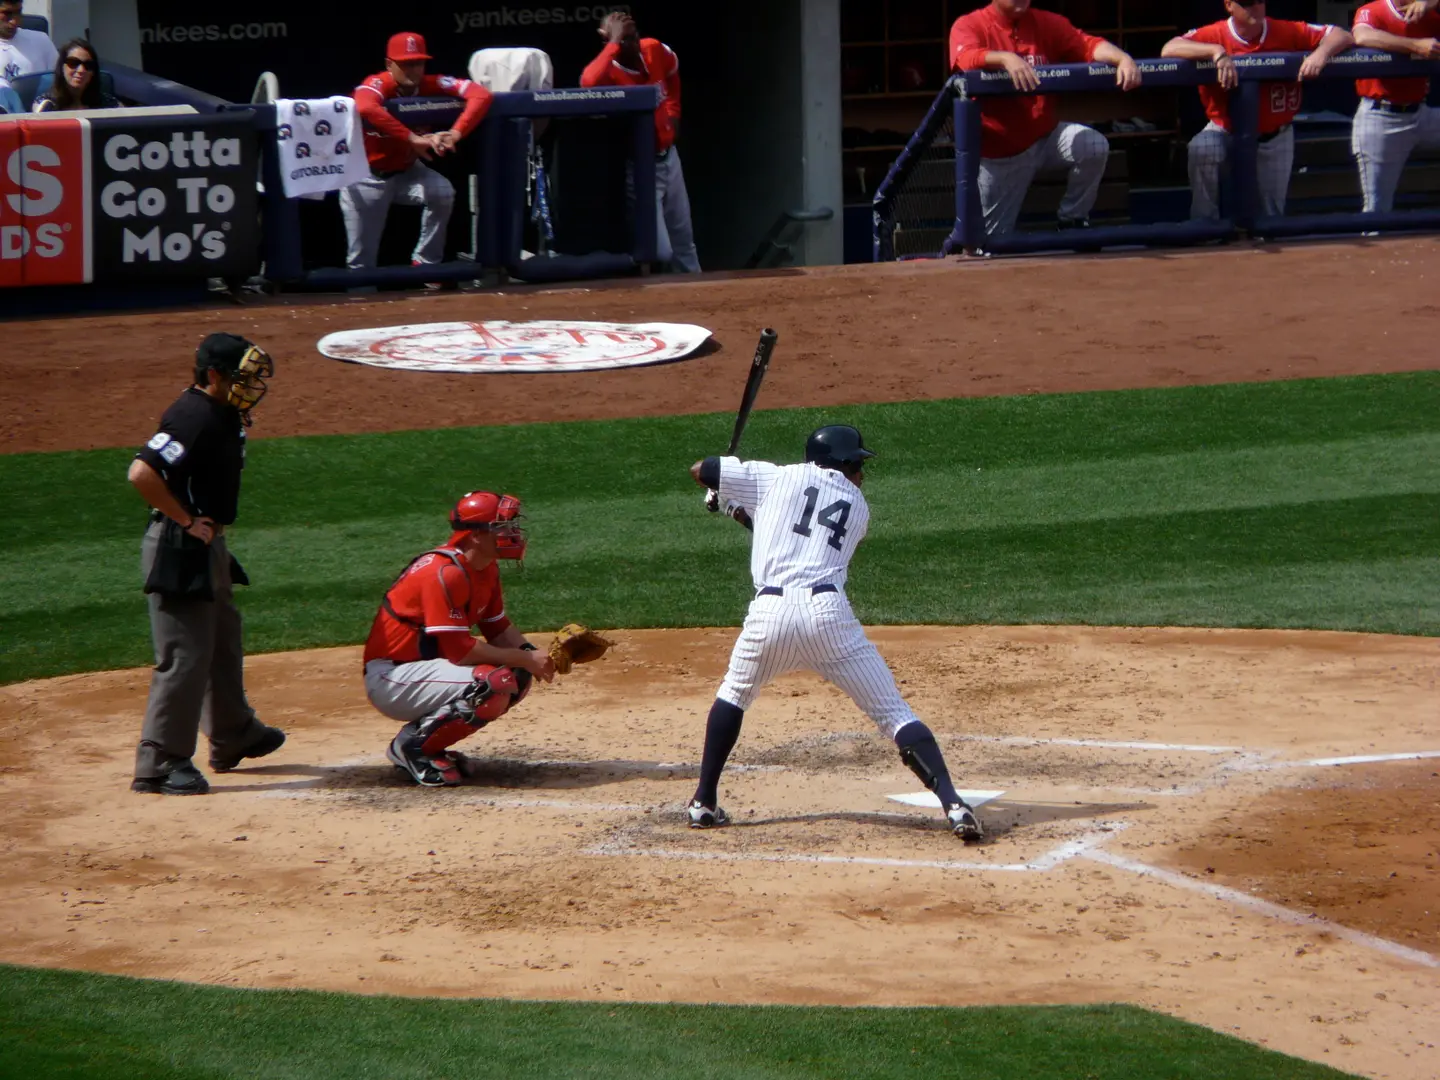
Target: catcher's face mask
247, 385
498, 515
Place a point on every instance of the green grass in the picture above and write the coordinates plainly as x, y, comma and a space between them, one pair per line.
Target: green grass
1312, 504
79, 1026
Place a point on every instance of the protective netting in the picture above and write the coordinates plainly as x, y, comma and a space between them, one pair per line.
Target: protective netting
915, 204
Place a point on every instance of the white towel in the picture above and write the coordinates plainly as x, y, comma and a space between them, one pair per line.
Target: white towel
321, 146
499, 70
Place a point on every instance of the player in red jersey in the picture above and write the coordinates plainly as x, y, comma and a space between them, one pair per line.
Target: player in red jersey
1247, 31
630, 60
397, 154
1023, 134
424, 667
1393, 118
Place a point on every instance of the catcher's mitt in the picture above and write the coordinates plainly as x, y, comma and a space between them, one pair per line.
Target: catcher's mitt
576, 644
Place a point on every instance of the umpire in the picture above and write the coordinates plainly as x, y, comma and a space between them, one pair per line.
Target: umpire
189, 473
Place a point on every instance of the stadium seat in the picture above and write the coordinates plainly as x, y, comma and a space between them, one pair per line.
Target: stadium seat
35, 22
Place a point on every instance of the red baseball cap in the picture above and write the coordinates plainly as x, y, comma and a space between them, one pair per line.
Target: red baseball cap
406, 46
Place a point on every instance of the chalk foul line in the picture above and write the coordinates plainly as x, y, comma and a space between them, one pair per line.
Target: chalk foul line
1262, 907
1048, 861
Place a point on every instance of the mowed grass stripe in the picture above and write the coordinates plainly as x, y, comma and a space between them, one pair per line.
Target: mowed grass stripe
88, 1027
1303, 504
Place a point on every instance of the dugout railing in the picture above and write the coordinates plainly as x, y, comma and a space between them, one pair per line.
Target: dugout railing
499, 153
929, 202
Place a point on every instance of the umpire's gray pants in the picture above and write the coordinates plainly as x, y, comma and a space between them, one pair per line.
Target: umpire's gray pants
366, 205
1210, 150
199, 680
1382, 142
1082, 151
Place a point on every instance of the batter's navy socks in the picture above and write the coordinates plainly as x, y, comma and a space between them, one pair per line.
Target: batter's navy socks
921, 755
183, 779
722, 729
270, 740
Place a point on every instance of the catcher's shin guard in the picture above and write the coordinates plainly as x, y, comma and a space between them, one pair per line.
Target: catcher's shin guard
493, 692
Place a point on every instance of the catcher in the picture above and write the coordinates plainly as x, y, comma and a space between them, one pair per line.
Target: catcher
425, 668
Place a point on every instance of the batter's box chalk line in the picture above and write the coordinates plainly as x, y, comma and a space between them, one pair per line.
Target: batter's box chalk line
1261, 907
1103, 830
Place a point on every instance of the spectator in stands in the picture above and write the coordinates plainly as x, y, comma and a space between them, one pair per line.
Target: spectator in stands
630, 60
397, 154
77, 81
9, 100
22, 52
1022, 135
1393, 118
1248, 31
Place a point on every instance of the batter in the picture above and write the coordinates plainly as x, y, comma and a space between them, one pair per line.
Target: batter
808, 520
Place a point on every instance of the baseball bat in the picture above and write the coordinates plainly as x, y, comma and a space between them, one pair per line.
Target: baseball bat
759, 365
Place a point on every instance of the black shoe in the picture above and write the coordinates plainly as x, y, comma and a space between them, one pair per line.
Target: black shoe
268, 743
1065, 224
184, 779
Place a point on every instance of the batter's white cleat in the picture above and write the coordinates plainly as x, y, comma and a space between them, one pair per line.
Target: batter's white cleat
707, 817
964, 823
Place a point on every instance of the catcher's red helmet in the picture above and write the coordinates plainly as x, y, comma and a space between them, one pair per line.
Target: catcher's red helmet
484, 511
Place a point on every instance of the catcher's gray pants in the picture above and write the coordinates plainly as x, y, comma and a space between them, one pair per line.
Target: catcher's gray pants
413, 691
365, 206
674, 234
1382, 142
1081, 150
1208, 152
199, 678
815, 632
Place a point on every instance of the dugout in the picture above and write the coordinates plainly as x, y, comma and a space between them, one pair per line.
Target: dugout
760, 133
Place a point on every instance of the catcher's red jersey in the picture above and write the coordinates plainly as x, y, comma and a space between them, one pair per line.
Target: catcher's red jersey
1014, 124
429, 610
1279, 101
1383, 15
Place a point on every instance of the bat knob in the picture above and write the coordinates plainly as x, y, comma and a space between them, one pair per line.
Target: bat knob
712, 501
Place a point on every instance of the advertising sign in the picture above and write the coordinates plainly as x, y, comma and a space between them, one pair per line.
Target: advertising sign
44, 202
174, 197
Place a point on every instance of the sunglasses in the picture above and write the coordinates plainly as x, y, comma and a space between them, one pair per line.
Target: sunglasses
73, 62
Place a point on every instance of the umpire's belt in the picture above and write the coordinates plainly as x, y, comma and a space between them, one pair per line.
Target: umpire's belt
1272, 134
1396, 109
815, 590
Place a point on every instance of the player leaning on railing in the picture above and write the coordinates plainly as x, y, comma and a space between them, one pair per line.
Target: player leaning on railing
1393, 118
1022, 135
1247, 31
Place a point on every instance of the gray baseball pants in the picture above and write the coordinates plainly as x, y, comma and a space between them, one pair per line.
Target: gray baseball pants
674, 233
1081, 151
199, 681
1209, 151
1382, 142
365, 206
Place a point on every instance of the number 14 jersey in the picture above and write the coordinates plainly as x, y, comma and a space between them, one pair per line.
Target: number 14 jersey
808, 520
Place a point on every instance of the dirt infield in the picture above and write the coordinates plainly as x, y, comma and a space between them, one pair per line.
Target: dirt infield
1166, 836
564, 868
898, 332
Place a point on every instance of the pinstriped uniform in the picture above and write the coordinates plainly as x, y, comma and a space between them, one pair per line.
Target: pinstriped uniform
808, 522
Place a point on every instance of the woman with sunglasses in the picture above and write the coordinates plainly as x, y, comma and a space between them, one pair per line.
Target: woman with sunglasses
77, 81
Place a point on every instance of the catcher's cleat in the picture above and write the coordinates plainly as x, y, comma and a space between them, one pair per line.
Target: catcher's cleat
964, 823
272, 739
429, 770
707, 817
184, 779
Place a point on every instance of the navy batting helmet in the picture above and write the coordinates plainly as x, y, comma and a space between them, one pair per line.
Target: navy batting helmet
836, 446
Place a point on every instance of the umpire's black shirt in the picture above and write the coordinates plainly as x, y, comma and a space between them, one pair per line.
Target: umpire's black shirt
200, 450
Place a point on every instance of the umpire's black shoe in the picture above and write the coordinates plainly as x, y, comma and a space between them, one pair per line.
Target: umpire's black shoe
268, 743
184, 779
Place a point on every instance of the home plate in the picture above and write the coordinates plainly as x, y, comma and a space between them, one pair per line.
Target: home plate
929, 798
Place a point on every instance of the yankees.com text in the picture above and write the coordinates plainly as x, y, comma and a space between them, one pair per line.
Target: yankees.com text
583, 14
212, 32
